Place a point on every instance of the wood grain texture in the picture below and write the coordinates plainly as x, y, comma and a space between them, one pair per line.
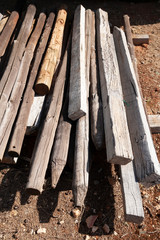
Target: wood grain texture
118, 144
17, 91
147, 168
49, 64
45, 138
133, 208
96, 108
8, 31
81, 157
77, 92
61, 144
10, 74
154, 123
28, 98
3, 22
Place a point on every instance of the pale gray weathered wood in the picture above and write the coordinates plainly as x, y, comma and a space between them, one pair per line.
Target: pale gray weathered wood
118, 144
154, 123
133, 208
147, 167
77, 92
81, 157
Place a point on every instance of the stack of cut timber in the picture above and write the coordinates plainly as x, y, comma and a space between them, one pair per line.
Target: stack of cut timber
93, 81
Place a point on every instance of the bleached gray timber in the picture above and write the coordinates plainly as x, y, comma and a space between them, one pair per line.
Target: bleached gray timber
96, 108
81, 157
45, 138
133, 208
61, 145
11, 72
77, 92
146, 164
139, 39
35, 114
154, 123
17, 91
26, 111
118, 144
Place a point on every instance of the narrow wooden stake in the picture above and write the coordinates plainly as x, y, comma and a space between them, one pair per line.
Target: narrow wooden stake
17, 91
133, 208
61, 145
146, 163
96, 108
81, 158
154, 123
44, 142
48, 68
22, 120
77, 93
7, 32
9, 77
118, 145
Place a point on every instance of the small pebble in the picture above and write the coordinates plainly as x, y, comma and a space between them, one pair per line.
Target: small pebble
76, 212
91, 220
94, 229
106, 228
87, 237
41, 230
115, 233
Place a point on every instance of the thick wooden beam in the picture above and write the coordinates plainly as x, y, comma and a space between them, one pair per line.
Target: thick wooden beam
139, 39
133, 208
28, 98
49, 64
81, 157
10, 74
45, 138
118, 144
17, 91
96, 108
154, 123
146, 163
7, 32
77, 93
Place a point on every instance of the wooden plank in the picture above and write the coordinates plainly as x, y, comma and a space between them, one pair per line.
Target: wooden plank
45, 138
17, 91
8, 31
77, 92
48, 67
96, 108
146, 163
81, 157
118, 144
3, 22
9, 77
21, 122
139, 39
154, 123
133, 208
61, 145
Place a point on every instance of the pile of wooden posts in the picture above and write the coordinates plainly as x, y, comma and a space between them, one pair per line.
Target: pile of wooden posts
52, 76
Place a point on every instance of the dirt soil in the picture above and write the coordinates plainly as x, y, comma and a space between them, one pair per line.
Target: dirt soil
25, 217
